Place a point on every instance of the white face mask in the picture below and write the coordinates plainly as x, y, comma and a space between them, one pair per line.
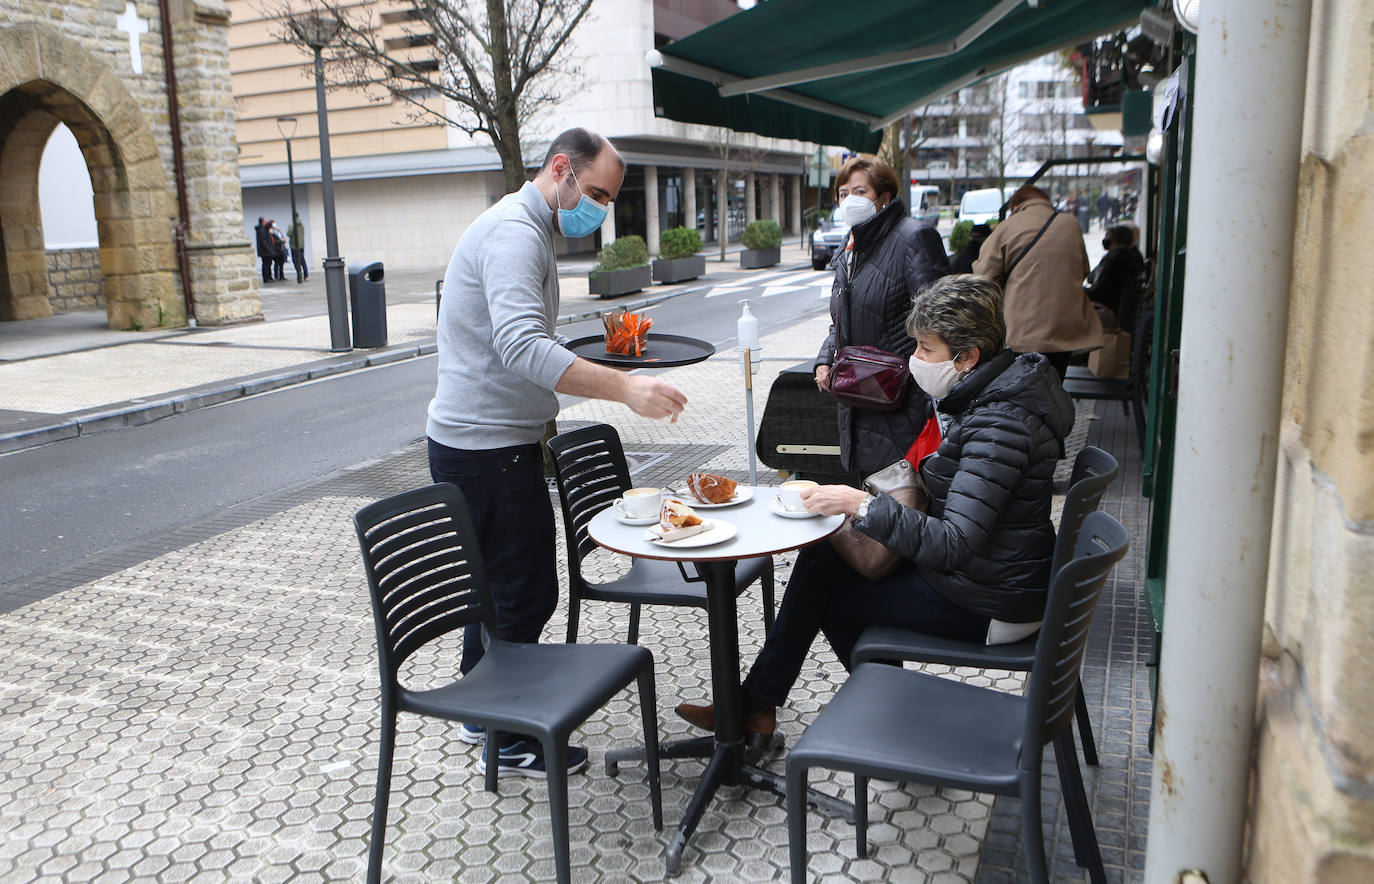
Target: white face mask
936, 378
857, 209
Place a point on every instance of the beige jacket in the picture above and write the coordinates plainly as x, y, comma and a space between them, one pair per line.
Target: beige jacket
1045, 306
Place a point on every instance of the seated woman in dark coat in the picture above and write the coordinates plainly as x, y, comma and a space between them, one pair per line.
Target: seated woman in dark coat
982, 552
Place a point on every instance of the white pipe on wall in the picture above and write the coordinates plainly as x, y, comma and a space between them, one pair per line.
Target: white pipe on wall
1247, 141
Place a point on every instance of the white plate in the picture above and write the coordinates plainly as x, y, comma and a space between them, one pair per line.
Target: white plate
618, 513
776, 506
742, 493
719, 532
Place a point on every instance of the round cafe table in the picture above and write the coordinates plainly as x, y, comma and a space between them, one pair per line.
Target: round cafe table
760, 532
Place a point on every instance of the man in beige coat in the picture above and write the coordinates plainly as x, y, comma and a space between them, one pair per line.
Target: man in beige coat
1045, 306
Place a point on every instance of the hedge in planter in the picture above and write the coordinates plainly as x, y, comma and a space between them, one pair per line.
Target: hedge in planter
762, 245
678, 259
621, 267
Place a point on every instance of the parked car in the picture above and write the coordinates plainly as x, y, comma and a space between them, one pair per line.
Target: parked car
982, 206
828, 239
924, 204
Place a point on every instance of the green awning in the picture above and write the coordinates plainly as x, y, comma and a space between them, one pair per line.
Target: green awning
835, 74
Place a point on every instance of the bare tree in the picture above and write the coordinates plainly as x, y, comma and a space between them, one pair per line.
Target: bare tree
496, 64
739, 154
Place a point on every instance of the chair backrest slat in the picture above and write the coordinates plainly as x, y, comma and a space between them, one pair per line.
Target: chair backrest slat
1073, 596
424, 571
590, 470
1093, 471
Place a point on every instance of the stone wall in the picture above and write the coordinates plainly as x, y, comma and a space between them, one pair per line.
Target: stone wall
1312, 814
71, 63
74, 278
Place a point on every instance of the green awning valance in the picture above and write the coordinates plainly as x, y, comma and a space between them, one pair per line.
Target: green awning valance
812, 70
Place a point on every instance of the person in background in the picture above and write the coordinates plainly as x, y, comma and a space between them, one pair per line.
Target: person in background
978, 562
1039, 259
963, 262
295, 235
278, 241
500, 370
889, 259
1117, 277
263, 242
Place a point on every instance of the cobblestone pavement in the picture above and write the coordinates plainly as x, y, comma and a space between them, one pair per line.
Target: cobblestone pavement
203, 706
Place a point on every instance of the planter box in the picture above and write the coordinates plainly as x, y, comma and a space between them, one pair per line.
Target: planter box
668, 271
751, 259
608, 283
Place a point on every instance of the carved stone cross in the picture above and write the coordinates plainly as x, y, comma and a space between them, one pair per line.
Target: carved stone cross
131, 24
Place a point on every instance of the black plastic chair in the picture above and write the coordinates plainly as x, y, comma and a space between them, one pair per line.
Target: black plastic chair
898, 724
1093, 470
426, 579
589, 467
1131, 391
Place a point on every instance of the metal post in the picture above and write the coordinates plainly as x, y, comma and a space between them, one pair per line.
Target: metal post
1246, 150
749, 414
334, 285
291, 177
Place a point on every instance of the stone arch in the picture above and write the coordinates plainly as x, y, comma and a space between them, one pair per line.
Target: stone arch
46, 78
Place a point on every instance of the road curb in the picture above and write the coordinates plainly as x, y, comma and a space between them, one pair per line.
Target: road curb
137, 412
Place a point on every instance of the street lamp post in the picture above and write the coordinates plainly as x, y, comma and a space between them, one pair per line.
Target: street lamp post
283, 125
317, 31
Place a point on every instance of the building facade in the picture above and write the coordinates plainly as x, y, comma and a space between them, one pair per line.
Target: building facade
97, 67
406, 188
999, 131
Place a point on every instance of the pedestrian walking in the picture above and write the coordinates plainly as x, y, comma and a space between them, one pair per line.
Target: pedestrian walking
1038, 257
263, 242
500, 368
295, 235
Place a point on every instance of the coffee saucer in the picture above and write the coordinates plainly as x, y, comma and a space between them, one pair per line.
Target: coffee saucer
776, 506
619, 515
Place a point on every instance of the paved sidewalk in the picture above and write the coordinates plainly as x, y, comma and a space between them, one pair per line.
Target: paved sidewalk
203, 707
68, 375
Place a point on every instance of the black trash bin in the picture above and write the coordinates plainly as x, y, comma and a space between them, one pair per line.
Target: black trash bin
367, 298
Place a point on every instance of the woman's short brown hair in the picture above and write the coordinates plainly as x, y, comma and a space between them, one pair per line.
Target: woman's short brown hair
880, 173
965, 311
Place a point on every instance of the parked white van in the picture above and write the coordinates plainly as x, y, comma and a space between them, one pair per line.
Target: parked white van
981, 206
925, 203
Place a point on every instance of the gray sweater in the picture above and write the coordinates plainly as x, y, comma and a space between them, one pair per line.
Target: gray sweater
498, 359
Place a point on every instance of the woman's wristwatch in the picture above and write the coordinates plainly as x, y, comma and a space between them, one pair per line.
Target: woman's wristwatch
862, 512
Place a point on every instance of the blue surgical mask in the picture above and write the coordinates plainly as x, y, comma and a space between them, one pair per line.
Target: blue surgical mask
582, 219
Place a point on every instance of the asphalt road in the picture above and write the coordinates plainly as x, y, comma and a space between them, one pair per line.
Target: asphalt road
71, 499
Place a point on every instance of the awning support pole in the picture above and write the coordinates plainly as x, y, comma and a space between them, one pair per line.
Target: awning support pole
1246, 149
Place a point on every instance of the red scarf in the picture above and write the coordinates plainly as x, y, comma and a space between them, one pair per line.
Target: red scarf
926, 443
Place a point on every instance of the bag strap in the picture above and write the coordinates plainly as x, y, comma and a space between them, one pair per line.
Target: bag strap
1048, 222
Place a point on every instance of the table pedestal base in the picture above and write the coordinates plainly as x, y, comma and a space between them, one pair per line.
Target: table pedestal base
730, 765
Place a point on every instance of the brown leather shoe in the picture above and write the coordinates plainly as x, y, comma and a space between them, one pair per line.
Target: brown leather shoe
762, 723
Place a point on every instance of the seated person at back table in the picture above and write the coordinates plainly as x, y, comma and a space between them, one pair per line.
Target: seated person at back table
1118, 272
982, 553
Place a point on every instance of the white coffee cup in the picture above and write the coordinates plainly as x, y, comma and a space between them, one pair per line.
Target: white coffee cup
640, 503
789, 494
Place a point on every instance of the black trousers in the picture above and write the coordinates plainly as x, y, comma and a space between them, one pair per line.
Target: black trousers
266, 268
298, 260
825, 595
510, 508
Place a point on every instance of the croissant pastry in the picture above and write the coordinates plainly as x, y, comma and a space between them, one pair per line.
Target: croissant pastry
710, 488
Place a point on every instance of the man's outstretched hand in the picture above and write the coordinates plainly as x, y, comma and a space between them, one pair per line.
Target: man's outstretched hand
653, 398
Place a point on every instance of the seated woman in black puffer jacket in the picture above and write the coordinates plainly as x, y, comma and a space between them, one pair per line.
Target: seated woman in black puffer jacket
982, 553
